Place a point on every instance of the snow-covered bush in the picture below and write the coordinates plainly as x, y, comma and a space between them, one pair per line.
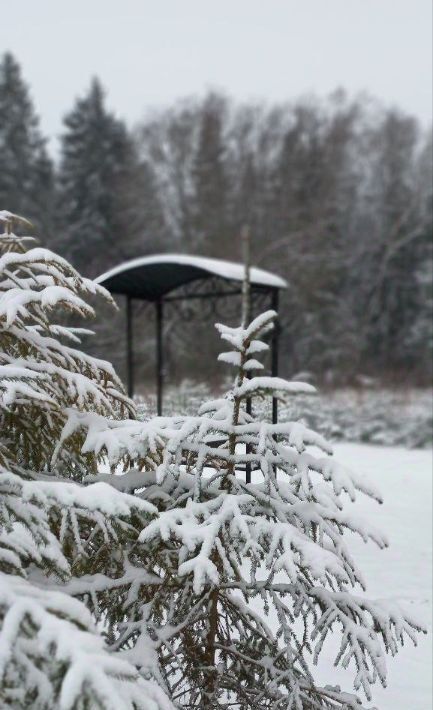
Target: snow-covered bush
53, 530
223, 554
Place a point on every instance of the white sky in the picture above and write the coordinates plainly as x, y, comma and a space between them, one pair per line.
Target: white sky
150, 52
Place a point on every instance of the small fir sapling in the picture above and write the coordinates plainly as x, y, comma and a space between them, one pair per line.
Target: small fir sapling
234, 586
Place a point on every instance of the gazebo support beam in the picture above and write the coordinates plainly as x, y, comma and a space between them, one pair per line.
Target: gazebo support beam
274, 352
129, 348
159, 356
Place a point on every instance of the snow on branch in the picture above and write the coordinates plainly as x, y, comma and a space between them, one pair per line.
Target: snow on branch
269, 385
239, 337
28, 507
46, 635
368, 627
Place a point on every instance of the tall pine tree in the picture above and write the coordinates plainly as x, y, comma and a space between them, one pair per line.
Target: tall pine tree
97, 170
26, 171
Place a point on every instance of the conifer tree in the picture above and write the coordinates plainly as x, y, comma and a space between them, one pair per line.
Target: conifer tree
225, 555
52, 528
26, 171
98, 175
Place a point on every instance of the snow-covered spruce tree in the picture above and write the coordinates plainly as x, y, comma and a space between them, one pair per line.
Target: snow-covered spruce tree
52, 529
248, 579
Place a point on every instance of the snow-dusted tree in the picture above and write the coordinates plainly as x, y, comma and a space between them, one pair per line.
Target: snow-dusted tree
99, 186
26, 171
57, 375
52, 529
225, 555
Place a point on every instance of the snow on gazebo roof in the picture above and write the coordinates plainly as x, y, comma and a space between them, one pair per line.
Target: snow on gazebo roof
151, 277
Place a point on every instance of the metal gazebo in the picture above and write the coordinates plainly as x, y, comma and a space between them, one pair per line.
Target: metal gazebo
164, 278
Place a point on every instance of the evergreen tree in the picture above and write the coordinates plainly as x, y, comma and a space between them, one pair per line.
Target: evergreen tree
52, 528
223, 554
98, 190
26, 171
210, 180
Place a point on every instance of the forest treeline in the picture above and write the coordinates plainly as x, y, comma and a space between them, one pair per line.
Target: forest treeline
337, 193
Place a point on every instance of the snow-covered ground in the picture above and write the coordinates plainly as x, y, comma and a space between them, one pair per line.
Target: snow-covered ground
402, 572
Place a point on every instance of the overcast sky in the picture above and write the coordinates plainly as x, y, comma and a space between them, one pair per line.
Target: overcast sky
150, 52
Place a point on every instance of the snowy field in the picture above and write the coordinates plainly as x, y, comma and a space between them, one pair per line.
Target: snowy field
402, 572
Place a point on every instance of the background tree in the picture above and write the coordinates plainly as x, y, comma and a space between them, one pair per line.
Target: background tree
336, 194
314, 187
418, 346
26, 171
210, 188
108, 209
390, 247
99, 185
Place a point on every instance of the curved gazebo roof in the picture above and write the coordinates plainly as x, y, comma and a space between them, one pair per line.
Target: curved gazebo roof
152, 277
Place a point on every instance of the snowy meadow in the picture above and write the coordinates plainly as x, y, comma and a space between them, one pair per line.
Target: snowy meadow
402, 572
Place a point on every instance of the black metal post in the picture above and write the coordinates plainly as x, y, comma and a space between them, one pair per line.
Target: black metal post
246, 318
249, 410
274, 352
129, 348
159, 357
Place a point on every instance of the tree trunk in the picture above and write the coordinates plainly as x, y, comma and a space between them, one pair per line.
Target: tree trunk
208, 699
